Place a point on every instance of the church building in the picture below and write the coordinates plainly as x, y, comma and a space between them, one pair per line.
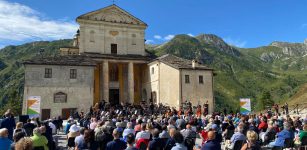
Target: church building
108, 61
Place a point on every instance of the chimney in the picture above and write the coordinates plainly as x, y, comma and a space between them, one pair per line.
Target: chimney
193, 64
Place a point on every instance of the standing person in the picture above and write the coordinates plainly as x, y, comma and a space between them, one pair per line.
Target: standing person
116, 144
206, 108
24, 144
9, 124
276, 108
29, 127
211, 143
5, 142
286, 108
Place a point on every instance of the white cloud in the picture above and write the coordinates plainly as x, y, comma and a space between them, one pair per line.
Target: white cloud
169, 37
149, 41
22, 23
157, 37
235, 42
303, 25
190, 34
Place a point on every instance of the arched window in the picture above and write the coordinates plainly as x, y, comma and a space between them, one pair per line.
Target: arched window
92, 34
152, 70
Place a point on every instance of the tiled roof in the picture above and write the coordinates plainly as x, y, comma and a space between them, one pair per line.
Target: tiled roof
67, 60
180, 63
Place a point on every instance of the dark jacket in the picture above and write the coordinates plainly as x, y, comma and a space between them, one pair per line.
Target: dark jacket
211, 145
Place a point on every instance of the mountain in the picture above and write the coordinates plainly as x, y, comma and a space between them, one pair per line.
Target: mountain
241, 72
12, 71
277, 70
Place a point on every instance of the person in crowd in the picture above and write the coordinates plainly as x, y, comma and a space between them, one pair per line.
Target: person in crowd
19, 128
211, 143
130, 141
282, 136
252, 143
128, 130
218, 137
263, 125
9, 123
116, 144
237, 136
52, 126
38, 139
25, 143
29, 127
156, 143
5, 142
171, 141
189, 136
143, 134
79, 140
303, 133
17, 136
71, 136
179, 140
93, 123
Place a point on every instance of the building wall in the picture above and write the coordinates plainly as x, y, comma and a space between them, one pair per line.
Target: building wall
98, 38
80, 91
169, 85
195, 92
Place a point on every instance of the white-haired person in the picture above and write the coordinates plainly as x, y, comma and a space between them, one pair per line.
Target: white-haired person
286, 133
129, 130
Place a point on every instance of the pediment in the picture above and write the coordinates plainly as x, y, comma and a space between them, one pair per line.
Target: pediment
113, 14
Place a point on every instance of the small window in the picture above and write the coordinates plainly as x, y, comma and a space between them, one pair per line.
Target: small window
48, 73
133, 39
152, 70
187, 79
201, 80
60, 97
92, 33
113, 48
73, 73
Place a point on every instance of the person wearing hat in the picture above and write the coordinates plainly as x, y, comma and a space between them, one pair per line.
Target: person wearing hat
218, 136
73, 131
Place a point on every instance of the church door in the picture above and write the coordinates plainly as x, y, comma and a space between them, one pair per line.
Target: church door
114, 96
45, 114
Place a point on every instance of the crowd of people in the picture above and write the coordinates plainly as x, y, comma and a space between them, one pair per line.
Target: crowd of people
157, 127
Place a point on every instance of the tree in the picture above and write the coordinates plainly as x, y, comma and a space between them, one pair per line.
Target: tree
265, 100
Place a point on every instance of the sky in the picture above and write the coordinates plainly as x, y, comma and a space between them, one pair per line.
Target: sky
242, 23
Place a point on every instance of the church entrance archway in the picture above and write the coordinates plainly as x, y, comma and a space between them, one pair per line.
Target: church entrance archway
114, 96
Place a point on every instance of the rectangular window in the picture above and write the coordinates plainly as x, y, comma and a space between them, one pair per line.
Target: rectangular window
152, 70
113, 48
201, 80
73, 73
48, 73
187, 79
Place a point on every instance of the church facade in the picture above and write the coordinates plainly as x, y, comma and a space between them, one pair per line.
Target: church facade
108, 61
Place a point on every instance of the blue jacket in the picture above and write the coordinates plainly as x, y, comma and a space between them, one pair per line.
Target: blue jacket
282, 136
211, 145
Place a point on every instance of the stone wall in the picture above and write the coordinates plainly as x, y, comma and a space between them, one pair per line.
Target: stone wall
80, 91
98, 38
194, 91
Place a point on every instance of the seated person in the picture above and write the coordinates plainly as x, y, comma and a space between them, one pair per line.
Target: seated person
282, 136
